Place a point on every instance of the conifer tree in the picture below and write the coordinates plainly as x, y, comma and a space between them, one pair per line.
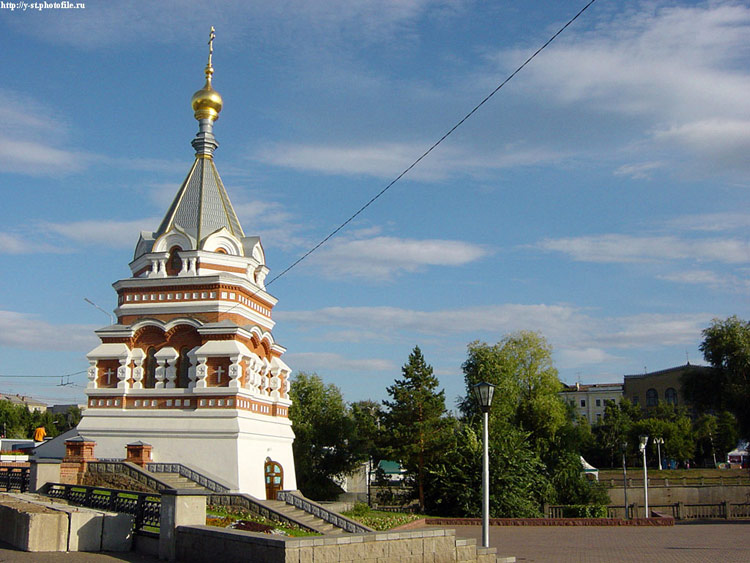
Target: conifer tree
414, 422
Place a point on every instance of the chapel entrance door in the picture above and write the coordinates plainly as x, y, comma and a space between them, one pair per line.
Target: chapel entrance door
274, 476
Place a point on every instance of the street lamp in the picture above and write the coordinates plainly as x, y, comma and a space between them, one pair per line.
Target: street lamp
659, 442
644, 440
624, 447
483, 394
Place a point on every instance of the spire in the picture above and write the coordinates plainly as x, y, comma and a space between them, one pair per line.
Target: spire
202, 205
207, 104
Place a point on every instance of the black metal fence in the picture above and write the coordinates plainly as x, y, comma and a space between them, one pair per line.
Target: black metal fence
145, 507
14, 479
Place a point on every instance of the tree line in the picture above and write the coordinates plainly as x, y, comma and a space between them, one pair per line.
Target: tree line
19, 422
533, 439
536, 439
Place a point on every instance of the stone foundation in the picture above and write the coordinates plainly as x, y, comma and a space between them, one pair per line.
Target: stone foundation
205, 543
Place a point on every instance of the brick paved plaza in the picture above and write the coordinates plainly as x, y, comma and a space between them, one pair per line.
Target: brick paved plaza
683, 543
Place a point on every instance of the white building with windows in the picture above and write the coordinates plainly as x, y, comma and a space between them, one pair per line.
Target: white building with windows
589, 400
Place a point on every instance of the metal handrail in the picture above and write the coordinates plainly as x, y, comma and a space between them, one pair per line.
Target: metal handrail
311, 507
14, 479
210, 483
145, 507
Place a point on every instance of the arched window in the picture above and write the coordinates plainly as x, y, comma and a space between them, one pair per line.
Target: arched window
670, 396
183, 366
174, 262
652, 397
150, 376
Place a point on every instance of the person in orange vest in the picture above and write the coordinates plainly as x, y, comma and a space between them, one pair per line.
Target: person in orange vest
39, 434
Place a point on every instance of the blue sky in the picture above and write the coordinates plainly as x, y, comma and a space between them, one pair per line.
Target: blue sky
600, 198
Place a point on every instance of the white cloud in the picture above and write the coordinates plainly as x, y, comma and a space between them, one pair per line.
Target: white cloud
286, 24
712, 222
580, 338
11, 243
382, 258
314, 361
710, 279
676, 74
115, 234
573, 358
725, 143
627, 248
652, 330
638, 171
28, 332
388, 160
553, 320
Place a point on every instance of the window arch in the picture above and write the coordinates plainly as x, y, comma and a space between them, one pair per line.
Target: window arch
174, 262
670, 396
652, 397
150, 375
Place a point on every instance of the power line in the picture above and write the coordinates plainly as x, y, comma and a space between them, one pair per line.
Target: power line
433, 147
42, 376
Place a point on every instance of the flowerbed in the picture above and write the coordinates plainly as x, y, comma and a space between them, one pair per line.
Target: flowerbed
238, 519
379, 520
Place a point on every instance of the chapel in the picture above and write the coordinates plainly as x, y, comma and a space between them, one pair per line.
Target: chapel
191, 366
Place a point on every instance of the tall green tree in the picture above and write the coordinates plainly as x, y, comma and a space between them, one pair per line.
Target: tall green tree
527, 385
726, 346
415, 420
325, 445
368, 418
531, 427
613, 431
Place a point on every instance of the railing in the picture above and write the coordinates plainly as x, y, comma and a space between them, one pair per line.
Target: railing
145, 507
729, 480
14, 479
252, 504
128, 469
678, 510
196, 476
145, 477
329, 516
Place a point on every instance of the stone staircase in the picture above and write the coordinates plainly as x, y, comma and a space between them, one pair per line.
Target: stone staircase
177, 481
302, 517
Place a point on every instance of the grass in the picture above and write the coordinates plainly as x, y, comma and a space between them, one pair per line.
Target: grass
222, 517
379, 520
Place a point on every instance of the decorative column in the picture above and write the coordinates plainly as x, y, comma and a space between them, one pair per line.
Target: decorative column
201, 371
122, 371
166, 371
235, 372
92, 373
138, 357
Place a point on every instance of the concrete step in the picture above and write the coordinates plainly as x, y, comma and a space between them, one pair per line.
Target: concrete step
177, 481
305, 518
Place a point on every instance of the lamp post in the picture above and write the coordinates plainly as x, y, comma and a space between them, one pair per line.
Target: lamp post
483, 394
624, 447
659, 442
644, 440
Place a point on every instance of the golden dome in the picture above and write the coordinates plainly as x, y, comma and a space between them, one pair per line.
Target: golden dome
207, 102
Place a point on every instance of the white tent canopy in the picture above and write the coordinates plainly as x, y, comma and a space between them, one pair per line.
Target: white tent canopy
589, 469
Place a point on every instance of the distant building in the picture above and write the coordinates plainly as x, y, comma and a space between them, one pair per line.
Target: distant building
647, 389
589, 400
63, 409
32, 404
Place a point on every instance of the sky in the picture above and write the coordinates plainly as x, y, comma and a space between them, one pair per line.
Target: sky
600, 197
